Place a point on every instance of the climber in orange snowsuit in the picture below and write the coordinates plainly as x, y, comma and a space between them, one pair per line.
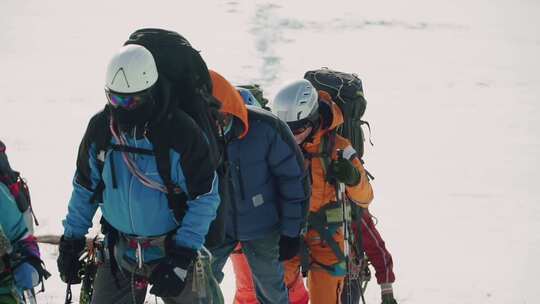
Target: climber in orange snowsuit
325, 285
313, 119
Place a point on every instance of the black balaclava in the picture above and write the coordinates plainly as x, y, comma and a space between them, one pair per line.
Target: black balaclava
128, 119
146, 113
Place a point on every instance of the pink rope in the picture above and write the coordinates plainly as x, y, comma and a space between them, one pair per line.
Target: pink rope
132, 167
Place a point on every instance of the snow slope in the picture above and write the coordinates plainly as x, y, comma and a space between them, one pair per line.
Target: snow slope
452, 86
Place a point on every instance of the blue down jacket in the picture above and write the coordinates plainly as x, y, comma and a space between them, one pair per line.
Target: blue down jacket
270, 189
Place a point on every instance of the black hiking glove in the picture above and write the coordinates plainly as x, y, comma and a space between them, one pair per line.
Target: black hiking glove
288, 247
68, 262
388, 299
343, 171
169, 276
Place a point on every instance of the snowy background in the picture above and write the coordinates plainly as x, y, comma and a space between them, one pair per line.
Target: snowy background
453, 92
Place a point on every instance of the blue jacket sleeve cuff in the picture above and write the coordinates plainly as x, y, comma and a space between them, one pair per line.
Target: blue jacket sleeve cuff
73, 233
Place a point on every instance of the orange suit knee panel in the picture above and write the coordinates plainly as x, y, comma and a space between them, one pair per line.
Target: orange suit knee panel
323, 287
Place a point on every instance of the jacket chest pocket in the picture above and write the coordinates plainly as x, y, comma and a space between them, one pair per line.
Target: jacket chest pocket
116, 174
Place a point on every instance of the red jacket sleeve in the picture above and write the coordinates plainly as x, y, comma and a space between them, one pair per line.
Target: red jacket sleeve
376, 250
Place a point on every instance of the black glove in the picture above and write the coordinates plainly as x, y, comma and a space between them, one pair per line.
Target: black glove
342, 170
288, 247
388, 299
169, 276
68, 259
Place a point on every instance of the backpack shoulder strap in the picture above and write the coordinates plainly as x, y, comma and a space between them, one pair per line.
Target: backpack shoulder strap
176, 197
100, 136
326, 149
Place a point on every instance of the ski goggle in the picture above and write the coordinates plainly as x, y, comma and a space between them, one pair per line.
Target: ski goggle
128, 101
300, 126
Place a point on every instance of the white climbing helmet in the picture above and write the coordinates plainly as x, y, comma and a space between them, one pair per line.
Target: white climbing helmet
298, 105
132, 69
296, 101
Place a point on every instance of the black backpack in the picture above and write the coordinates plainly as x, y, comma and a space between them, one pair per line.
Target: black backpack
16, 184
183, 69
347, 92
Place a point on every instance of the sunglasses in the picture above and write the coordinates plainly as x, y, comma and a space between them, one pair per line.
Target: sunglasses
128, 101
300, 130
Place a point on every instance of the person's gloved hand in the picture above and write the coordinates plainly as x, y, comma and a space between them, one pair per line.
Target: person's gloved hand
288, 247
343, 171
388, 298
68, 259
169, 276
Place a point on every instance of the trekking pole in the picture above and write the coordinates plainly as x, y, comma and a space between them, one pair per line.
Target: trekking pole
341, 198
365, 276
68, 294
30, 296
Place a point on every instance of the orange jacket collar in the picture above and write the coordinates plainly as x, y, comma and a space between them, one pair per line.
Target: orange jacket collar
231, 101
333, 122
